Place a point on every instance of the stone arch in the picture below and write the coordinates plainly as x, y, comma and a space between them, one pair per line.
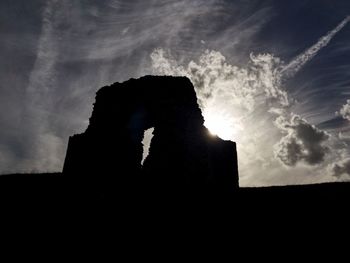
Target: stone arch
182, 154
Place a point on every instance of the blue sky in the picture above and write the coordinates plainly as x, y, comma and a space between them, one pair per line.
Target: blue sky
56, 54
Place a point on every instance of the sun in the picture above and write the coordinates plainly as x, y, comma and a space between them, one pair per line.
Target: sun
220, 125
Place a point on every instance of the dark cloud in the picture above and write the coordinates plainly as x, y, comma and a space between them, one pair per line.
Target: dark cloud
303, 142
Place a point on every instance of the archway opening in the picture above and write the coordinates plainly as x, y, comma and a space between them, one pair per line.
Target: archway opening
146, 142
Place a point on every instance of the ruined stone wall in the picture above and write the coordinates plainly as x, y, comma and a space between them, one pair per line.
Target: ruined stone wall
183, 156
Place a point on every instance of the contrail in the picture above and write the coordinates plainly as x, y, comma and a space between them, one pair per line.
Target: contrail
39, 93
41, 75
297, 63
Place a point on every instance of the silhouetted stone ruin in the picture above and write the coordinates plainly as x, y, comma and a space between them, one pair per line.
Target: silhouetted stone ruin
188, 181
183, 157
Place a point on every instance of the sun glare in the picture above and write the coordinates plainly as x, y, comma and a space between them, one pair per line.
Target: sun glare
219, 125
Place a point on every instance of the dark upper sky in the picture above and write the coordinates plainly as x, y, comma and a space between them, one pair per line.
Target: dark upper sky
56, 54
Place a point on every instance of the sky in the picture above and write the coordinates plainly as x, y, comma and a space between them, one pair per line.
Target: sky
271, 75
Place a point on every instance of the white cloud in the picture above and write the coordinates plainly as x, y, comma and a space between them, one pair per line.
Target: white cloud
243, 97
213, 77
251, 100
345, 111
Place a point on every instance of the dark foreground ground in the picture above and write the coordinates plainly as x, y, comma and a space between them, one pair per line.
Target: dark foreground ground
47, 212
54, 191
51, 204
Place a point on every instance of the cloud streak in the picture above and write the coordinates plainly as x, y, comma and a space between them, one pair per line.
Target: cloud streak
43, 146
299, 62
41, 77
